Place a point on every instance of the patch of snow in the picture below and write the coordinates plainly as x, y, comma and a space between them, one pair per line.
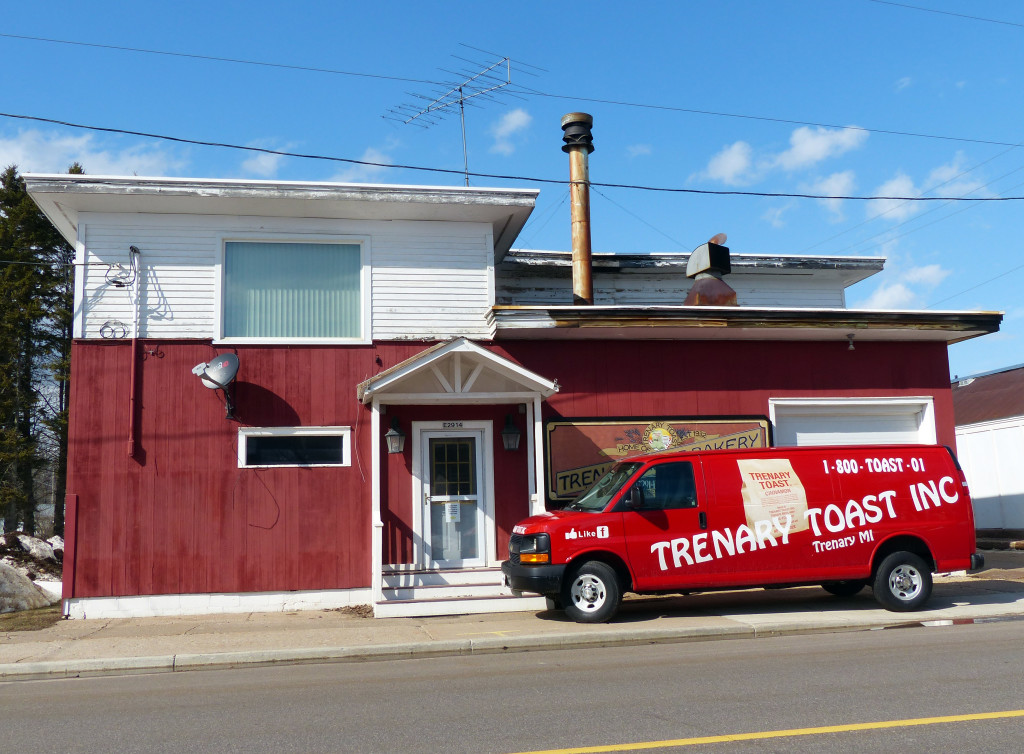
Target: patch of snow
18, 593
57, 543
37, 548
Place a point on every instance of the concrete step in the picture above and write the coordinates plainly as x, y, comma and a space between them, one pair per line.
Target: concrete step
434, 577
444, 591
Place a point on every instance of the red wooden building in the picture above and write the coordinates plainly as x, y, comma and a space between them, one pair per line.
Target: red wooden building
356, 312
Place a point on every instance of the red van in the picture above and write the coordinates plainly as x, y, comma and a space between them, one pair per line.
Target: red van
884, 516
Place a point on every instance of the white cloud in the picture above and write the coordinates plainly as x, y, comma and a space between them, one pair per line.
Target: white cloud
263, 164
903, 83
835, 185
951, 179
907, 288
53, 152
732, 165
809, 146
892, 296
774, 215
365, 173
930, 275
638, 150
510, 124
894, 209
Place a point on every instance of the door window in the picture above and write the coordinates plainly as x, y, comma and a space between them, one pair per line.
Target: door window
669, 486
454, 499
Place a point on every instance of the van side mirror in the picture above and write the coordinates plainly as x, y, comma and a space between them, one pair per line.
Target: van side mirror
635, 497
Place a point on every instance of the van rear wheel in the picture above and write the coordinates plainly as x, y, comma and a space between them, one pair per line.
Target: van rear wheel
903, 582
844, 588
593, 593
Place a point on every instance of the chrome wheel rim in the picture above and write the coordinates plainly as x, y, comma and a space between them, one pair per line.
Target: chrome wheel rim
905, 582
588, 593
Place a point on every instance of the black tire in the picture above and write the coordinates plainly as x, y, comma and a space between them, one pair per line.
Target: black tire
593, 593
844, 588
903, 582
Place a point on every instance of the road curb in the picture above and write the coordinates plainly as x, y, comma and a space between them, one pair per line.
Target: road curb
995, 605
413, 650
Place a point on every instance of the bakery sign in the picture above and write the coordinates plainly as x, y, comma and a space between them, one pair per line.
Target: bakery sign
580, 451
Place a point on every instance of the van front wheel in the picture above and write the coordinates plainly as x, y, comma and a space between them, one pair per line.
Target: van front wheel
593, 593
903, 582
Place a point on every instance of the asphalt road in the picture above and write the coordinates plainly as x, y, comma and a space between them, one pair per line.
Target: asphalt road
562, 699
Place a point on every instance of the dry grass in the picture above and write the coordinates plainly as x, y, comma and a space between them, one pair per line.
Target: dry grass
30, 620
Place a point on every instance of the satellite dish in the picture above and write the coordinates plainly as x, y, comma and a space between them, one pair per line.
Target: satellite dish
219, 372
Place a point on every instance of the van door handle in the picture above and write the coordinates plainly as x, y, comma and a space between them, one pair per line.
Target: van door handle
702, 517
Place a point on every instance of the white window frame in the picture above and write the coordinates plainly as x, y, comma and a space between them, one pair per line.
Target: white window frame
244, 433
924, 408
365, 279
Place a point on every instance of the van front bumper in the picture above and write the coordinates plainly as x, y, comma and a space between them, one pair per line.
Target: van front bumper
539, 579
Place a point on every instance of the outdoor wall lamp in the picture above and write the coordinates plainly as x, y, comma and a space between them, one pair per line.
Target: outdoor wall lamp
394, 437
850, 339
510, 434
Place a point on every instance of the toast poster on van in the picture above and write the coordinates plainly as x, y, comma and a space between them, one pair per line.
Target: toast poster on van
580, 451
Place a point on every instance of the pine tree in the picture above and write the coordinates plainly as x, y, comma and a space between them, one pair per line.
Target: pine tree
35, 319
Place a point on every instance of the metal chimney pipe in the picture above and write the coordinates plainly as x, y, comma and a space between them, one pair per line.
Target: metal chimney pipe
579, 143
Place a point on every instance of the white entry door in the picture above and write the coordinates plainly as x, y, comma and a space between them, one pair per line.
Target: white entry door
456, 488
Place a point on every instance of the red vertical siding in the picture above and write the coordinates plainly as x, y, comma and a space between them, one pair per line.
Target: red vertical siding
713, 378
181, 517
512, 498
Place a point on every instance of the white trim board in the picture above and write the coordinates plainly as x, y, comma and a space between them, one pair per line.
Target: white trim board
157, 605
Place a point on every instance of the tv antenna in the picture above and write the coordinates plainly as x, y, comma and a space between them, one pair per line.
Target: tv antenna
483, 82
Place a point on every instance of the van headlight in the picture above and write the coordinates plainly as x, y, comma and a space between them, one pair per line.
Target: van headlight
535, 548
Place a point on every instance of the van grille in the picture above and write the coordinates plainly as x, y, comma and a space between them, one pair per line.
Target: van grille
515, 544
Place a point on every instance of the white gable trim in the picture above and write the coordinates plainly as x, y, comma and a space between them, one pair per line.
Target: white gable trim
457, 366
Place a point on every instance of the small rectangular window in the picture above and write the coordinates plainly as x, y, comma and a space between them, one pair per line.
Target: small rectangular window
294, 446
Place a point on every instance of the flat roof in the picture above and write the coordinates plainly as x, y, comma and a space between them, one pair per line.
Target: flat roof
739, 323
64, 197
848, 270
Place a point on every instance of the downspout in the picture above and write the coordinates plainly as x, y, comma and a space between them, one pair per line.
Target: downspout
376, 521
579, 143
133, 252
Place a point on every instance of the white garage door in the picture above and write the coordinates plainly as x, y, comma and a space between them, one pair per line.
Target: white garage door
852, 422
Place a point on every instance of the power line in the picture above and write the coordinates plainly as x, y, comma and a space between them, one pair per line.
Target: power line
973, 287
935, 209
214, 58
947, 13
527, 91
787, 121
640, 219
499, 176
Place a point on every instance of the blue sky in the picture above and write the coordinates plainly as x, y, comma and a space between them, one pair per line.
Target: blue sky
740, 95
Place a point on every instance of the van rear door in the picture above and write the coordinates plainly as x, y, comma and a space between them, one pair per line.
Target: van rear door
666, 526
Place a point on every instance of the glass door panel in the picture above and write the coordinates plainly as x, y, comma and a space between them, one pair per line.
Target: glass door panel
453, 500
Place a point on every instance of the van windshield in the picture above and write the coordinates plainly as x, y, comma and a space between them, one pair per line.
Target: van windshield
604, 489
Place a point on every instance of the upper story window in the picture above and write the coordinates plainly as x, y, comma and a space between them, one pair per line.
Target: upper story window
294, 290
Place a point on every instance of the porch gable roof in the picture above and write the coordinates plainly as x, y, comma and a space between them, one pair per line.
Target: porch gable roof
455, 371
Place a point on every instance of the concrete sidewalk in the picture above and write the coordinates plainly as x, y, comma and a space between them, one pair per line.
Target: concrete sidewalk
146, 645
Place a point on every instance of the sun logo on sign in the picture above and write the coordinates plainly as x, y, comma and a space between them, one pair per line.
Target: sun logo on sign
660, 436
